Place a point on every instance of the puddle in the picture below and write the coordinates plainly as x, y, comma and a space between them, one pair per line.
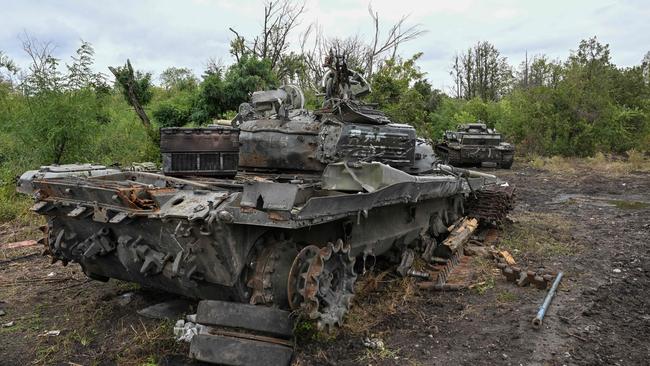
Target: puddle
632, 203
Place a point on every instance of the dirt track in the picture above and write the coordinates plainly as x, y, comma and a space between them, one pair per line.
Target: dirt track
594, 227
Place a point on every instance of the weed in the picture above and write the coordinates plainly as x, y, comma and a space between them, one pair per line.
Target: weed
541, 234
147, 340
629, 205
536, 162
151, 361
506, 296
485, 285
637, 160
377, 354
306, 331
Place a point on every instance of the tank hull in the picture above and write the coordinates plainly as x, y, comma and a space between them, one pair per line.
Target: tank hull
201, 240
477, 155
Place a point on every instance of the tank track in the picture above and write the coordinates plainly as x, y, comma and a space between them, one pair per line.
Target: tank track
492, 204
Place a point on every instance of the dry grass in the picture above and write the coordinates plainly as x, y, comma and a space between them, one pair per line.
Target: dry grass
632, 161
540, 234
394, 293
485, 272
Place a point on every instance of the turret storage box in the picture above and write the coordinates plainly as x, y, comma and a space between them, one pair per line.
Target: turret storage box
204, 151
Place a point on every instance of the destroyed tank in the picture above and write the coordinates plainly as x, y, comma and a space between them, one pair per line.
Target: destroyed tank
283, 208
475, 144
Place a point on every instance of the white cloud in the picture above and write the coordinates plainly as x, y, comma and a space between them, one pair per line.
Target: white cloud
159, 34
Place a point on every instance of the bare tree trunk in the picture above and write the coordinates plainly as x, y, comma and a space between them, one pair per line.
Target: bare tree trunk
133, 100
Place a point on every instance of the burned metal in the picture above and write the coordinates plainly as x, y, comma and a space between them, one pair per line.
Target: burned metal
313, 190
475, 144
204, 151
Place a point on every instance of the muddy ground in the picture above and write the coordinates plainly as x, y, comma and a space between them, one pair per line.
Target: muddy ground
591, 223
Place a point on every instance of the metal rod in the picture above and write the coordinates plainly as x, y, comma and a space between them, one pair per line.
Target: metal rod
537, 321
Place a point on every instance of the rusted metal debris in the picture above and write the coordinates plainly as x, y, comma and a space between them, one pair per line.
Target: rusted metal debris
491, 205
515, 274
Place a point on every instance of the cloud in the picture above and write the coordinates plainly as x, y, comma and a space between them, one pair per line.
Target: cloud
159, 34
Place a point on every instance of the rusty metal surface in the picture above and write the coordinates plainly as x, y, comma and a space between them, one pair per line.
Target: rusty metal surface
491, 204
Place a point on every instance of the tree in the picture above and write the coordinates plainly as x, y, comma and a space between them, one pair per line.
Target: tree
43, 74
62, 110
10, 67
136, 88
364, 56
178, 78
80, 72
481, 72
280, 18
220, 93
246, 76
400, 89
645, 66
212, 100
397, 34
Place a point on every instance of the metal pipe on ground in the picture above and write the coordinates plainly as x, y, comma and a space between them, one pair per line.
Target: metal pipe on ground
537, 320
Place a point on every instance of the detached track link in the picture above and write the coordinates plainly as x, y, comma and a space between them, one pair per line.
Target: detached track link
453, 261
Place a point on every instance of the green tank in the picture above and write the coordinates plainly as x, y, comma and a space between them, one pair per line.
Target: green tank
477, 145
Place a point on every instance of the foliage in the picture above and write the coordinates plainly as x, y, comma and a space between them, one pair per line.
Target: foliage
481, 72
246, 76
142, 86
54, 118
178, 78
400, 88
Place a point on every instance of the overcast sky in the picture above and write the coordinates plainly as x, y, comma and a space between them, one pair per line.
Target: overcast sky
157, 34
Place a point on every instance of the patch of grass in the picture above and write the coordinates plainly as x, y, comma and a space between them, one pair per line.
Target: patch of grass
560, 165
506, 296
541, 234
147, 343
632, 161
44, 353
383, 353
485, 285
484, 269
536, 162
124, 287
306, 331
151, 361
84, 338
629, 205
31, 323
638, 161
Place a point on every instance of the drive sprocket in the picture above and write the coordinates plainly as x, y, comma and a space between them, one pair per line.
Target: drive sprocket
321, 283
